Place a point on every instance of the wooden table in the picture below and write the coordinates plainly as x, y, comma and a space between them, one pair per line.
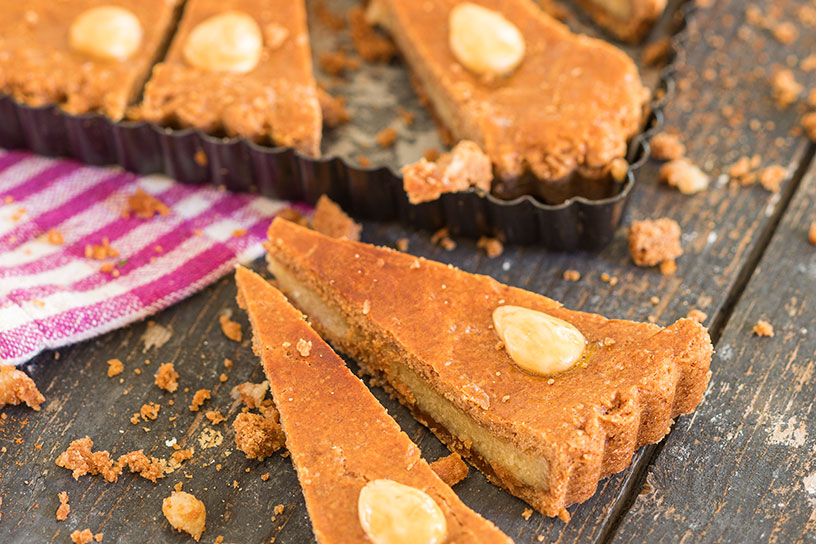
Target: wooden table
742, 468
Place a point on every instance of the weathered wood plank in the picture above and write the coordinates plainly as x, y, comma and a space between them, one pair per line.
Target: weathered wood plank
743, 467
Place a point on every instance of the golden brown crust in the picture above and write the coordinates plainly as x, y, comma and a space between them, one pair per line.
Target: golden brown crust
276, 101
17, 387
630, 21
331, 220
338, 435
570, 107
451, 469
436, 320
38, 66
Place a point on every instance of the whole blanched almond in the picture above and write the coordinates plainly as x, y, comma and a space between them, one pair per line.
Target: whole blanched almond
484, 41
106, 32
538, 342
227, 42
394, 513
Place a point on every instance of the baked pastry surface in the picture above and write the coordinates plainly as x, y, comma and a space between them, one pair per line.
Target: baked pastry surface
627, 20
425, 330
275, 102
568, 109
339, 436
38, 66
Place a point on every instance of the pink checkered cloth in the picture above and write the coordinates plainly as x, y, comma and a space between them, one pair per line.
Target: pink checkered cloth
51, 295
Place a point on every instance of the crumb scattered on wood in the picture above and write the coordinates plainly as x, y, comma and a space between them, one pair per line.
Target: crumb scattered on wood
85, 536
17, 387
668, 267
402, 244
115, 367
167, 378
684, 175
763, 328
442, 239
697, 315
185, 513
215, 417
572, 275
492, 246
654, 241
771, 177
450, 469
199, 398
812, 233
64, 508
786, 89
527, 513
231, 329
331, 220
257, 436
667, 147
809, 124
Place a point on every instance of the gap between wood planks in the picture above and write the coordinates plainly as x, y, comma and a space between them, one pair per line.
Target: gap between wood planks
720, 319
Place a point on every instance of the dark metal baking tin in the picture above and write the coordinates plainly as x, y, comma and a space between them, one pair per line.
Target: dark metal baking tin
283, 173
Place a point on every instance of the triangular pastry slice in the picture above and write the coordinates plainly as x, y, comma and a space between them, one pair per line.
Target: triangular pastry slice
363, 479
544, 400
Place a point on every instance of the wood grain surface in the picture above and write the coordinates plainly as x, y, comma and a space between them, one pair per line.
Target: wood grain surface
737, 470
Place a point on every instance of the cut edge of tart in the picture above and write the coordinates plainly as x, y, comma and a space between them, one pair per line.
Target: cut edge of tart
421, 329
361, 475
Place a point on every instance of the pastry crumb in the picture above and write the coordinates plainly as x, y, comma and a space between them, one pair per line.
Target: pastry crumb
336, 63
185, 513
363, 161
450, 469
149, 468
697, 315
571, 275
115, 367
16, 387
278, 510
369, 44
653, 241
215, 417
465, 166
763, 328
231, 329
149, 410
64, 508
386, 137
785, 32
80, 459
257, 436
331, 220
771, 177
333, 108
684, 175
84, 536
492, 246
402, 244
442, 239
667, 147
100, 252
812, 233
251, 394
618, 169
199, 398
656, 53
304, 347
786, 89
668, 267
54, 237
809, 124
167, 378
144, 205
527, 513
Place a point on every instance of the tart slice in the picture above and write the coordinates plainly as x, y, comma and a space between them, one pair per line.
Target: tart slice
361, 475
239, 68
627, 20
84, 55
551, 109
544, 400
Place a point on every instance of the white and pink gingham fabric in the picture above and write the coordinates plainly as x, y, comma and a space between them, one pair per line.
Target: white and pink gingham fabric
52, 295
